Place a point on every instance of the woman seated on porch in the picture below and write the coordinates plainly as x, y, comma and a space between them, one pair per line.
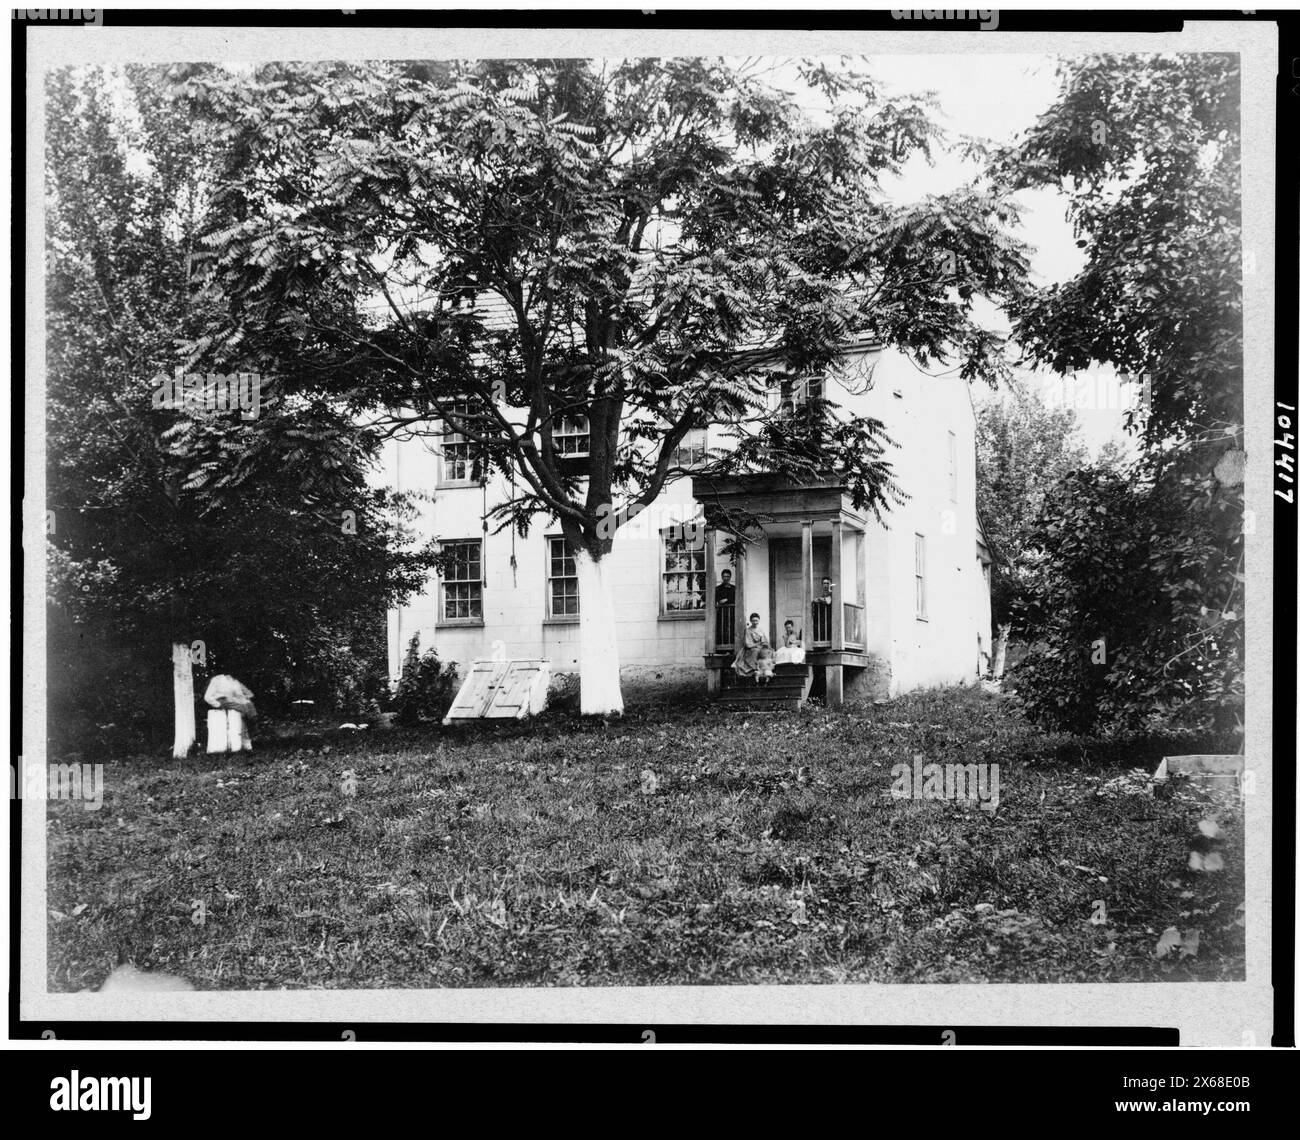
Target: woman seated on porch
791, 651
753, 639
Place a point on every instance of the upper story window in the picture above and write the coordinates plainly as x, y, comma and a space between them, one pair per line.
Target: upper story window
572, 436
457, 466
690, 452
462, 582
793, 391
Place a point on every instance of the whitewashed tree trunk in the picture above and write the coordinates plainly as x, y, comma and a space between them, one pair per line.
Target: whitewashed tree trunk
183, 696
1000, 662
598, 673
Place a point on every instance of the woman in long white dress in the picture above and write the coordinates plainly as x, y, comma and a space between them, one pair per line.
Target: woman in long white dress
790, 651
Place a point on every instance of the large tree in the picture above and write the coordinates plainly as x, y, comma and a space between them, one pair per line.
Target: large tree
170, 526
643, 246
1146, 150
1023, 448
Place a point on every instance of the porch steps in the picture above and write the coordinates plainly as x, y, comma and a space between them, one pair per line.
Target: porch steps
785, 692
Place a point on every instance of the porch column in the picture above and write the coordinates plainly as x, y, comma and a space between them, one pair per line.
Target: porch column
738, 565
834, 686
837, 587
710, 595
806, 577
862, 577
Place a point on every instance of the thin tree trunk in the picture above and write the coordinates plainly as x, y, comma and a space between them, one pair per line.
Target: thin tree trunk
1000, 661
183, 695
598, 670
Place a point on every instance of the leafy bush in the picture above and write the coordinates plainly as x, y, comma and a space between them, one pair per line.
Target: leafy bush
426, 688
343, 670
1023, 449
1129, 623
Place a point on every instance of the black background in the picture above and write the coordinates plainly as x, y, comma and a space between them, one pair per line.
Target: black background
976, 1088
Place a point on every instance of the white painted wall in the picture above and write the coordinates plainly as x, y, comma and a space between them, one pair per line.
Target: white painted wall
919, 411
940, 650
515, 597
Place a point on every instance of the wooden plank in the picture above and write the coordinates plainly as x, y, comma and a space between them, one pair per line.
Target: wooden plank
1221, 774
218, 739
738, 580
1209, 765
227, 731
183, 699
541, 689
806, 577
501, 689
477, 690
710, 596
513, 697
837, 580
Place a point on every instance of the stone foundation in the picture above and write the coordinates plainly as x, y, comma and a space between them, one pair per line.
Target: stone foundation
864, 686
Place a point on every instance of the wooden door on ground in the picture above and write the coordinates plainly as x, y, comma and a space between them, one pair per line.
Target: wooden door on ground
514, 693
785, 558
478, 689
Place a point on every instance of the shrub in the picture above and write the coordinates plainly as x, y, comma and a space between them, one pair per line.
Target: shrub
1129, 623
346, 679
426, 688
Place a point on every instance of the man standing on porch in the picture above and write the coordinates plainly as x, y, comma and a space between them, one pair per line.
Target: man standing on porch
724, 600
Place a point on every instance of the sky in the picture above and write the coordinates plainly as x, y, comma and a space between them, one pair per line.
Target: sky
996, 97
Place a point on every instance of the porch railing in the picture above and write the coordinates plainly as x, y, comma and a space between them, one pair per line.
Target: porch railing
726, 627
853, 623
823, 626
821, 613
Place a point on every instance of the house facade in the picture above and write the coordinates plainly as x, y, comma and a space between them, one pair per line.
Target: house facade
883, 608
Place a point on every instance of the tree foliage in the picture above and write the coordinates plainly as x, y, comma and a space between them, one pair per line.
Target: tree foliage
1146, 150
1023, 450
1113, 600
651, 245
174, 525
515, 250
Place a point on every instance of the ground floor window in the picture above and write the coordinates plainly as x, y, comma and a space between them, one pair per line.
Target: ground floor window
561, 579
462, 580
682, 570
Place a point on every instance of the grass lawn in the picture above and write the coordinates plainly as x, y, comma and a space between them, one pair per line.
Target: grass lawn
767, 848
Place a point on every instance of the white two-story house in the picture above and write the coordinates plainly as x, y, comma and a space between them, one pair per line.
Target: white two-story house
882, 608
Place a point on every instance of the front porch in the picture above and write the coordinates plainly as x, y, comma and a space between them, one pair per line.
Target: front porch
807, 569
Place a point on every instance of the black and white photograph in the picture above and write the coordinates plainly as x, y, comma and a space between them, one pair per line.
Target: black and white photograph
650, 524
